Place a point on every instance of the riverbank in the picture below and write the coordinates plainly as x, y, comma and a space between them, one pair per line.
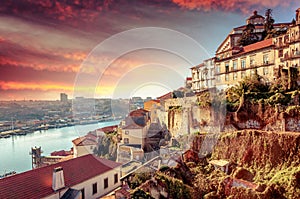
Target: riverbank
15, 149
23, 130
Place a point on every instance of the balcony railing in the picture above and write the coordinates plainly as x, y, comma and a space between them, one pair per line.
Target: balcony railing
252, 66
289, 56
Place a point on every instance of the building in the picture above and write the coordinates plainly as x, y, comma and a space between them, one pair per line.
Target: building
84, 145
133, 134
287, 54
188, 82
254, 58
203, 76
221, 165
148, 105
63, 97
234, 61
84, 177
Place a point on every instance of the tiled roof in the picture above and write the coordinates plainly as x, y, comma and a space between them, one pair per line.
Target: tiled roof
138, 113
133, 126
60, 153
258, 45
37, 183
83, 141
165, 96
108, 129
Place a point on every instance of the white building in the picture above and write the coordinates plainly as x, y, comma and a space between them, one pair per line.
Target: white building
84, 177
203, 75
84, 145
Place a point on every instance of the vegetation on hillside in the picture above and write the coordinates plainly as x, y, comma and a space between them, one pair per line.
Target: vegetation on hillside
107, 146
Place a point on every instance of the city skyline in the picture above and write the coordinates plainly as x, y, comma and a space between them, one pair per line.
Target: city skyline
43, 45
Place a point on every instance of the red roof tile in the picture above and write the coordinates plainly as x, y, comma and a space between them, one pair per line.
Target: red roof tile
108, 129
60, 153
165, 96
85, 140
138, 113
37, 183
133, 126
258, 45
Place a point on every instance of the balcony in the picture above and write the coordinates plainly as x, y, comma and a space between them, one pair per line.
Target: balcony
289, 56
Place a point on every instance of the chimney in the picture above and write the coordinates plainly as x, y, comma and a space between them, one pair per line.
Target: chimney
58, 181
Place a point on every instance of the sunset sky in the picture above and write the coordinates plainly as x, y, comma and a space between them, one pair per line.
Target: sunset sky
79, 47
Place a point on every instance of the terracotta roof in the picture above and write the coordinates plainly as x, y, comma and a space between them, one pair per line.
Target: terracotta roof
60, 153
138, 113
197, 66
108, 129
157, 101
37, 183
258, 45
133, 125
83, 141
165, 96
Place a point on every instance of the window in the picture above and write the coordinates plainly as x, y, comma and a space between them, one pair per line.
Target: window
227, 67
217, 69
126, 132
116, 178
226, 77
266, 59
94, 188
126, 140
243, 74
218, 78
234, 76
243, 63
280, 53
105, 183
234, 65
252, 61
265, 71
82, 194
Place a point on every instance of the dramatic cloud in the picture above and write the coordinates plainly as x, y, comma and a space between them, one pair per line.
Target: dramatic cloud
244, 6
43, 43
34, 86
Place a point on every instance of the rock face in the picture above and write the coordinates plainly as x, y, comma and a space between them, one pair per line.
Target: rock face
268, 160
253, 147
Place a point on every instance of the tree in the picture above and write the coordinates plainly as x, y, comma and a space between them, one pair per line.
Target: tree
269, 21
248, 36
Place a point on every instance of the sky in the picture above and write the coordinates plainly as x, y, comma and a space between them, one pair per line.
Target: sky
114, 48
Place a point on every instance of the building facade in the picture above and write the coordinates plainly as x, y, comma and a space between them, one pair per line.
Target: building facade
203, 76
84, 177
255, 58
270, 58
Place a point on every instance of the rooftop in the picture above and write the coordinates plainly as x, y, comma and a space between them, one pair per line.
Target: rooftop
37, 183
83, 141
220, 163
258, 45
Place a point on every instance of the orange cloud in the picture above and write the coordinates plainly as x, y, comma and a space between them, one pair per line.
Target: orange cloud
45, 86
245, 6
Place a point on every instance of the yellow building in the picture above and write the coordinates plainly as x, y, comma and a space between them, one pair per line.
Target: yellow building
258, 57
270, 58
287, 46
149, 104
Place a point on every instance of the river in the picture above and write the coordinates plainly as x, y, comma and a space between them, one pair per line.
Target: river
14, 151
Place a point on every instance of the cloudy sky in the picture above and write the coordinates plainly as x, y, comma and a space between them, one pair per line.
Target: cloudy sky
105, 48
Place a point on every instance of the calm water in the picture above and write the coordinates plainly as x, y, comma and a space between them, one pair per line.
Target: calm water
14, 151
